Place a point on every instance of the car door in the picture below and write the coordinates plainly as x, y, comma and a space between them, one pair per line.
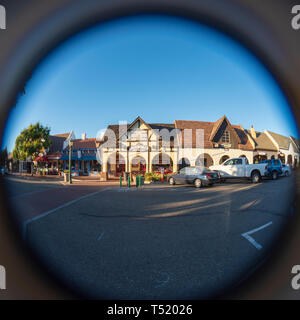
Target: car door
226, 170
238, 168
180, 176
190, 175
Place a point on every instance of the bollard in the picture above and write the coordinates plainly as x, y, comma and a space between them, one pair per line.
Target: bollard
120, 181
129, 181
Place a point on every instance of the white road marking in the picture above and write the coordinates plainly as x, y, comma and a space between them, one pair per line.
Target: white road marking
101, 236
42, 215
247, 236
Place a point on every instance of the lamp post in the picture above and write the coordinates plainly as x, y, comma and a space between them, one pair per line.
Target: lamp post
70, 161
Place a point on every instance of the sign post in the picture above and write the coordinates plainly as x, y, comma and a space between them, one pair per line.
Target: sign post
70, 161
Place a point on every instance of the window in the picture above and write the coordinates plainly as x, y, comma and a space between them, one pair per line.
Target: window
228, 162
237, 161
276, 163
226, 137
182, 171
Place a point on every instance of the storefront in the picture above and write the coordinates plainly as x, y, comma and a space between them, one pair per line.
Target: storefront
83, 162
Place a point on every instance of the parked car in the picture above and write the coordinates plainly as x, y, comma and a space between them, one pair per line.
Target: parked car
274, 168
198, 176
238, 168
286, 170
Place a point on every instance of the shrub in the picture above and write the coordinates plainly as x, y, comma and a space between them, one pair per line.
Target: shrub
150, 176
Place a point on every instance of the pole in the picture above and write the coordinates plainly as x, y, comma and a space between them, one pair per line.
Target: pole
129, 181
70, 164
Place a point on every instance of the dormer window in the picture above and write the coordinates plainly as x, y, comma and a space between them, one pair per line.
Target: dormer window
226, 137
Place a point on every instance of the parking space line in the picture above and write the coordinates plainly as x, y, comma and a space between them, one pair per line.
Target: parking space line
247, 236
42, 215
101, 236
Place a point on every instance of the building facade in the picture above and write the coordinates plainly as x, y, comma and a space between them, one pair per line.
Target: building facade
139, 147
142, 147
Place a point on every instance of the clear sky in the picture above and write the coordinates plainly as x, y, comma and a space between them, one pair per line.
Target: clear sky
161, 68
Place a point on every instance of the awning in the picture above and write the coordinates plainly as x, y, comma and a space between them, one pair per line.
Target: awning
80, 158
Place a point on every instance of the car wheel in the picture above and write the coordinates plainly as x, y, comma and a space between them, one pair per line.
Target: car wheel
171, 181
255, 177
274, 175
198, 183
286, 173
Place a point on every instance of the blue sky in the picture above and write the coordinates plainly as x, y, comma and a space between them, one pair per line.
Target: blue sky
161, 68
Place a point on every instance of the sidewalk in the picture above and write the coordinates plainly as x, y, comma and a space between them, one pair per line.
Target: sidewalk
28, 176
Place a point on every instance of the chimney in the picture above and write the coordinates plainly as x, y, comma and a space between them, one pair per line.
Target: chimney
253, 133
83, 136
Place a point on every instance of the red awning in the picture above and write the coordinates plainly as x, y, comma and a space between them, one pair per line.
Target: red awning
41, 159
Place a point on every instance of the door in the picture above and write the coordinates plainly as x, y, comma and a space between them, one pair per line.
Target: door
180, 177
238, 169
227, 168
190, 174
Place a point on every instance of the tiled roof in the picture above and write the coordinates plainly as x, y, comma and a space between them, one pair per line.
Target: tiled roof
159, 126
296, 142
283, 142
89, 143
209, 128
194, 125
63, 135
262, 141
244, 144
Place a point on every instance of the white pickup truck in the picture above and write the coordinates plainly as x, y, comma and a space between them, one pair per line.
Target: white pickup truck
240, 168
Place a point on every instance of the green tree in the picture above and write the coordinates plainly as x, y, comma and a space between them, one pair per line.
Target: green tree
31, 142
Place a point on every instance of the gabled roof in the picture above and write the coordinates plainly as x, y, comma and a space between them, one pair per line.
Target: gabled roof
282, 141
262, 141
217, 127
296, 143
210, 129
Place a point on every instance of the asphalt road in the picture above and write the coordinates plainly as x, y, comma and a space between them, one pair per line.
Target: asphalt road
158, 241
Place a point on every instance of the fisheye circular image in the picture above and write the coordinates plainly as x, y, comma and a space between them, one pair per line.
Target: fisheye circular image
150, 157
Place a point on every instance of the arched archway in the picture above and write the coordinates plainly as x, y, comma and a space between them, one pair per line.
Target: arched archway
223, 159
258, 158
290, 160
204, 160
183, 162
162, 161
138, 165
115, 164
